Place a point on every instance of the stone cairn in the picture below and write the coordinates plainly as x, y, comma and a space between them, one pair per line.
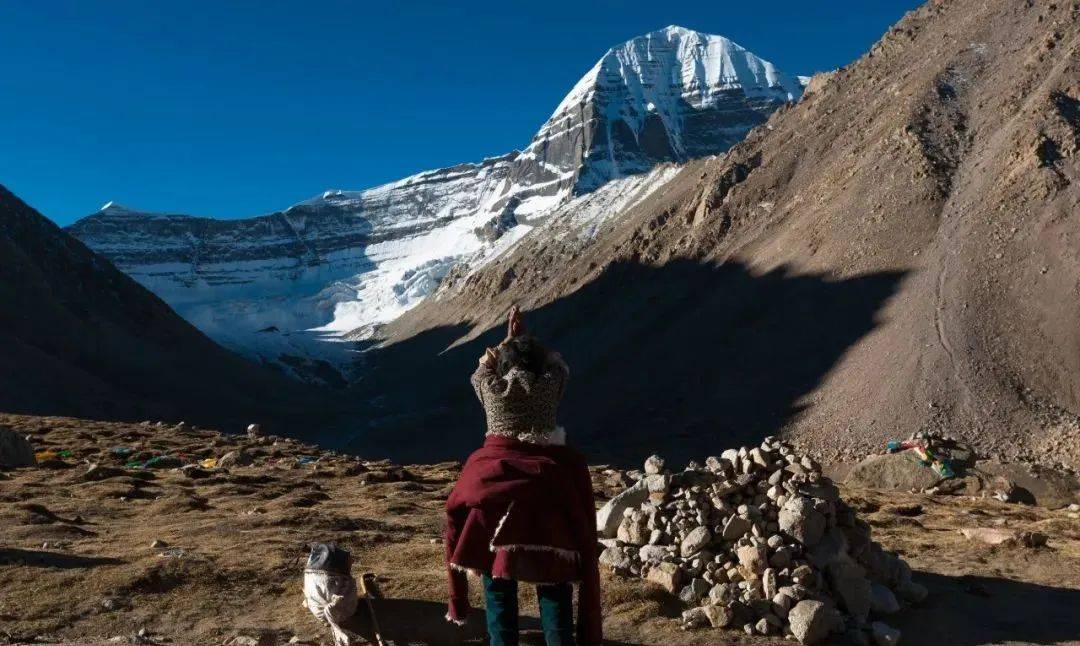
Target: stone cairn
759, 540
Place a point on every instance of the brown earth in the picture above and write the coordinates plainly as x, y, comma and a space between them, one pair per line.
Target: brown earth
898, 251
77, 566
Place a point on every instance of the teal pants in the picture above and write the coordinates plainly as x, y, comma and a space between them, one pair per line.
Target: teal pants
556, 612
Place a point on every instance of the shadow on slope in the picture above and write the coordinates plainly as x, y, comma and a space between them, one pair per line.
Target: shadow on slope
684, 359
971, 610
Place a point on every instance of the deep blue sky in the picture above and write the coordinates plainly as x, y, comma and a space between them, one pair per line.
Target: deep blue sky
240, 108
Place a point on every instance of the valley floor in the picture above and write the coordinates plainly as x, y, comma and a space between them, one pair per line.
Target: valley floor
77, 565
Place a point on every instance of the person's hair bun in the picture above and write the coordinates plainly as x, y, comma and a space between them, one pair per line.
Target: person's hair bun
523, 352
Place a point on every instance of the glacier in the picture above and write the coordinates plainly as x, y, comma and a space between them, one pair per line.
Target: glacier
279, 287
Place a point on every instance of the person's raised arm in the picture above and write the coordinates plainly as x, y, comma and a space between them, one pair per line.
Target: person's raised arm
515, 323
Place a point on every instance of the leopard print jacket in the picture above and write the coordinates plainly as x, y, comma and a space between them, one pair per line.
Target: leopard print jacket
521, 404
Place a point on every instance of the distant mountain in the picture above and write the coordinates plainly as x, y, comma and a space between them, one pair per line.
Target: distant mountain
349, 261
78, 337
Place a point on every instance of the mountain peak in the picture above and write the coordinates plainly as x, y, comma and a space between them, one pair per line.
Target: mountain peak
676, 61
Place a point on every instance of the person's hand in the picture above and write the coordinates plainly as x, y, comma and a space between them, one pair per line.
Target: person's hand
489, 358
515, 325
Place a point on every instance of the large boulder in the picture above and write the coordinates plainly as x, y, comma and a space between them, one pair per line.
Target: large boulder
15, 451
611, 514
897, 471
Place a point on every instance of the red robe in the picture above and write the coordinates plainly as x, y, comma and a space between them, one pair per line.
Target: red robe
525, 511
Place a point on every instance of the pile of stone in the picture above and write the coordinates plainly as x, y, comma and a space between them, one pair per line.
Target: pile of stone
757, 539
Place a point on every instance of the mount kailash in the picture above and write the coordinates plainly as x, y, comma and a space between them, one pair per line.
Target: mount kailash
342, 263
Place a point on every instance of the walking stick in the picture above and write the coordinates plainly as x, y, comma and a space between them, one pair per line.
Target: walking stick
365, 578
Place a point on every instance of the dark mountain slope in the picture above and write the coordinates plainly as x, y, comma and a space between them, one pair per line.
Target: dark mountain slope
78, 337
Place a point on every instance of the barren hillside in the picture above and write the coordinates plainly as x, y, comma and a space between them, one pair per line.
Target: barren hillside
79, 337
897, 251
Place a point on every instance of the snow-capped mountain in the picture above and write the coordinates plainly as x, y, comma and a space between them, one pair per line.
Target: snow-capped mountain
669, 95
349, 260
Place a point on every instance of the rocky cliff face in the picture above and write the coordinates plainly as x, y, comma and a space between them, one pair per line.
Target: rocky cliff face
349, 261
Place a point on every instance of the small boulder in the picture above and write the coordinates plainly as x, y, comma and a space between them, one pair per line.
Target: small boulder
694, 592
735, 528
1006, 537
633, 530
15, 450
695, 618
695, 541
654, 464
615, 558
882, 600
652, 553
912, 592
884, 635
851, 588
102, 472
667, 575
802, 521
235, 459
718, 616
812, 621
753, 558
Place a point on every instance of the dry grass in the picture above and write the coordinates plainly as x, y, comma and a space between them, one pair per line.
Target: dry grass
235, 543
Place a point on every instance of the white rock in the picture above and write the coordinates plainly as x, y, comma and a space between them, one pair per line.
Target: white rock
884, 635
611, 514
654, 464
